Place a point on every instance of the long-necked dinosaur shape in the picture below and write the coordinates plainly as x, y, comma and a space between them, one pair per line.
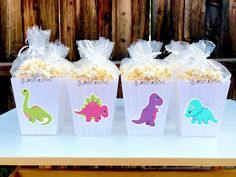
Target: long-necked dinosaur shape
35, 112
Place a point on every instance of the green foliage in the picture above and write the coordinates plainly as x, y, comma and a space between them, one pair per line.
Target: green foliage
6, 171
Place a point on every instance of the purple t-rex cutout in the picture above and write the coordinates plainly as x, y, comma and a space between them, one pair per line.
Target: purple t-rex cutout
148, 114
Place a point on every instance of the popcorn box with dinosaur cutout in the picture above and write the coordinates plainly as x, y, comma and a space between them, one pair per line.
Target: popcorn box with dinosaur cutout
38, 105
146, 106
200, 107
92, 106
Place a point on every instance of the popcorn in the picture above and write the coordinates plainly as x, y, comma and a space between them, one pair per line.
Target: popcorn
90, 74
201, 75
190, 61
95, 64
142, 65
41, 59
147, 73
39, 68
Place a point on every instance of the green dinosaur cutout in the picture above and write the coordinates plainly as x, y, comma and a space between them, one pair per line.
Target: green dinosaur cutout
35, 112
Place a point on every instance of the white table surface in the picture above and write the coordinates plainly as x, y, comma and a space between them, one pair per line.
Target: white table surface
119, 149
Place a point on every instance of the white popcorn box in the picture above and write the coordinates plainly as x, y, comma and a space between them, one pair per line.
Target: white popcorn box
38, 105
146, 106
64, 107
201, 107
172, 109
92, 106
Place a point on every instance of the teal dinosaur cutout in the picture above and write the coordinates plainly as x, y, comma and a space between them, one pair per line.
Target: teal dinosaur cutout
35, 112
199, 113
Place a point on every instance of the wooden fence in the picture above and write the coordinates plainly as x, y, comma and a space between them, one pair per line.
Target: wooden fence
122, 21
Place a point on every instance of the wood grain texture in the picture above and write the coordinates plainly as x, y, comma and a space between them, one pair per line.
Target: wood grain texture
213, 24
232, 28
162, 20
87, 25
3, 16
197, 19
27, 172
121, 27
187, 24
104, 18
140, 19
177, 14
157, 18
231, 66
44, 13
48, 16
68, 27
11, 28
30, 14
194, 20
224, 48
232, 89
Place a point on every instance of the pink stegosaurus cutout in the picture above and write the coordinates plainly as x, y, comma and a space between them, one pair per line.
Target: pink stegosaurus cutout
93, 109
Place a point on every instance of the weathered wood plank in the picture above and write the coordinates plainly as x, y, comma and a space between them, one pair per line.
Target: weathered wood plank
187, 24
11, 28
123, 172
232, 27
114, 25
213, 24
140, 19
3, 14
224, 48
121, 27
197, 19
51, 21
161, 21
194, 27
36, 12
232, 68
87, 25
177, 13
30, 14
104, 18
68, 11
232, 89
5, 68
157, 18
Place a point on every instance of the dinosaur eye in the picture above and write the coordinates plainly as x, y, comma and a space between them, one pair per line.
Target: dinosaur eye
24, 90
189, 112
157, 98
104, 111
